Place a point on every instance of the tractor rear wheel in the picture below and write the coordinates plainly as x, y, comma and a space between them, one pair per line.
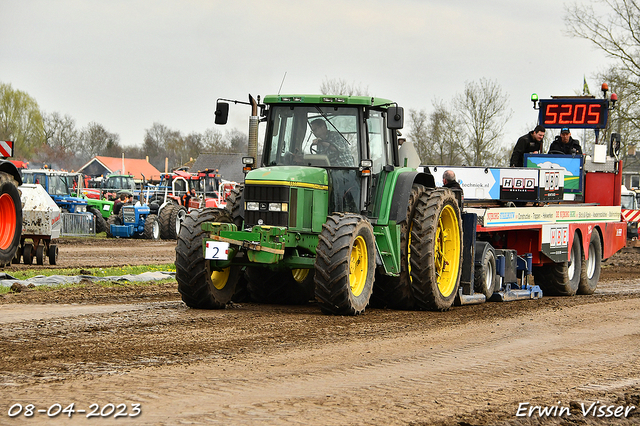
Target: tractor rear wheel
590, 273
288, 287
563, 278
101, 224
435, 250
164, 218
345, 264
151, 228
201, 286
10, 218
395, 292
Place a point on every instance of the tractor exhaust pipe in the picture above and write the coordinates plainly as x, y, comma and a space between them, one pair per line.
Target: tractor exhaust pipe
253, 131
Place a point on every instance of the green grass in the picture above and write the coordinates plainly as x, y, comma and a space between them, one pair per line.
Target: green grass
97, 272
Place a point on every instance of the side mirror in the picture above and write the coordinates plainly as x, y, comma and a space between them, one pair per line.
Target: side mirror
395, 118
222, 113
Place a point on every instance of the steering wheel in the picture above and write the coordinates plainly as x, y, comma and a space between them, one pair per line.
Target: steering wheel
555, 151
313, 149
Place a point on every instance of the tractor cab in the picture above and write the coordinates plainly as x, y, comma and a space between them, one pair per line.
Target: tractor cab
340, 145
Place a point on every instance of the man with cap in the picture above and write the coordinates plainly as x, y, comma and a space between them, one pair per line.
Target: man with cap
565, 144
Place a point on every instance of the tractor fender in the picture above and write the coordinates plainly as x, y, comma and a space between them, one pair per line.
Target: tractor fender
10, 168
402, 191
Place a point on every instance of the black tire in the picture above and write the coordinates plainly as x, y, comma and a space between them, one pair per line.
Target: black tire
241, 294
177, 217
590, 272
345, 264
199, 286
562, 278
396, 292
101, 224
164, 219
288, 287
234, 205
10, 218
485, 272
151, 228
113, 220
436, 250
53, 254
40, 254
27, 253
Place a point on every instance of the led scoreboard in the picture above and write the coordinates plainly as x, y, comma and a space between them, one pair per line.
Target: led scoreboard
574, 113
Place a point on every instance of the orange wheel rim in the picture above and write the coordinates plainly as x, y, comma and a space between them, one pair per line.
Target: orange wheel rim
7, 221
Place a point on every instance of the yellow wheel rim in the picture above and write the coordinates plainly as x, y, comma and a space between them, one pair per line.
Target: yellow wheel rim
447, 251
409, 251
219, 278
358, 266
299, 275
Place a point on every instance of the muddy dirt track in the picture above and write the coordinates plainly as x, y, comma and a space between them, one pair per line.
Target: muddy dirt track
265, 364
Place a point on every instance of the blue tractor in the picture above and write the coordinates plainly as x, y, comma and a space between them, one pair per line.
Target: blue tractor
134, 221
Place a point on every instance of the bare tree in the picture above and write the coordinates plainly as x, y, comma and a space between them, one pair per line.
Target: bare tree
483, 111
63, 141
445, 136
339, 86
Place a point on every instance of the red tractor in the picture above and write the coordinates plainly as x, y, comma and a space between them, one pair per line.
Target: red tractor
10, 205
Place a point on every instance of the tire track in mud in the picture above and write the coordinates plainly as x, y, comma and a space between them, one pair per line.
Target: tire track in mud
454, 370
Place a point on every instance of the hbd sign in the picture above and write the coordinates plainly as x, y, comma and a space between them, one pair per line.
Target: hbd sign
519, 183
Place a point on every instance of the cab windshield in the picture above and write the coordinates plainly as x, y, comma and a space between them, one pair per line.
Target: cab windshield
314, 136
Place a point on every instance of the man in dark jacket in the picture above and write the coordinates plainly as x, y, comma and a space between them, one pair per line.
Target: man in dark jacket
449, 180
530, 143
565, 144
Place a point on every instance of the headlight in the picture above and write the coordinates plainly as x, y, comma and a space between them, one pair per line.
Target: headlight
252, 205
82, 209
278, 207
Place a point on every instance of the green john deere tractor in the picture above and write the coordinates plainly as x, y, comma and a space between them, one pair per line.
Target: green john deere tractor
330, 215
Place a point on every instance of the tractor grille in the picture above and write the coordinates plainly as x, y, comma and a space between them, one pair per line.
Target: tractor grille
129, 214
264, 194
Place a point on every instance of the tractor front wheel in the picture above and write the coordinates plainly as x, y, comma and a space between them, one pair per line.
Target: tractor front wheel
345, 264
101, 224
151, 228
200, 285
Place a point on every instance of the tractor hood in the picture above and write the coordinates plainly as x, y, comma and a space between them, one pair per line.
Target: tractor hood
310, 177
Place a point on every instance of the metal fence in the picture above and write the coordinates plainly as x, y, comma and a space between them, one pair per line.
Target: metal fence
78, 224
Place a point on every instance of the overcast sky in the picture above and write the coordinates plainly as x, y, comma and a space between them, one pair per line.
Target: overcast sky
128, 64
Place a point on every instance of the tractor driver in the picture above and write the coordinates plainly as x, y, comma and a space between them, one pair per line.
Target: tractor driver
333, 145
565, 144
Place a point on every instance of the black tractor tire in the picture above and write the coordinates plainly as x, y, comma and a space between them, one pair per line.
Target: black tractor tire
591, 267
485, 272
164, 219
112, 220
40, 254
200, 286
562, 278
396, 292
436, 250
53, 254
177, 217
241, 294
27, 253
234, 205
151, 228
284, 287
101, 224
345, 264
10, 218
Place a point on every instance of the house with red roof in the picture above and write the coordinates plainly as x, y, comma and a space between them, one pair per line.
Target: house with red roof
103, 166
